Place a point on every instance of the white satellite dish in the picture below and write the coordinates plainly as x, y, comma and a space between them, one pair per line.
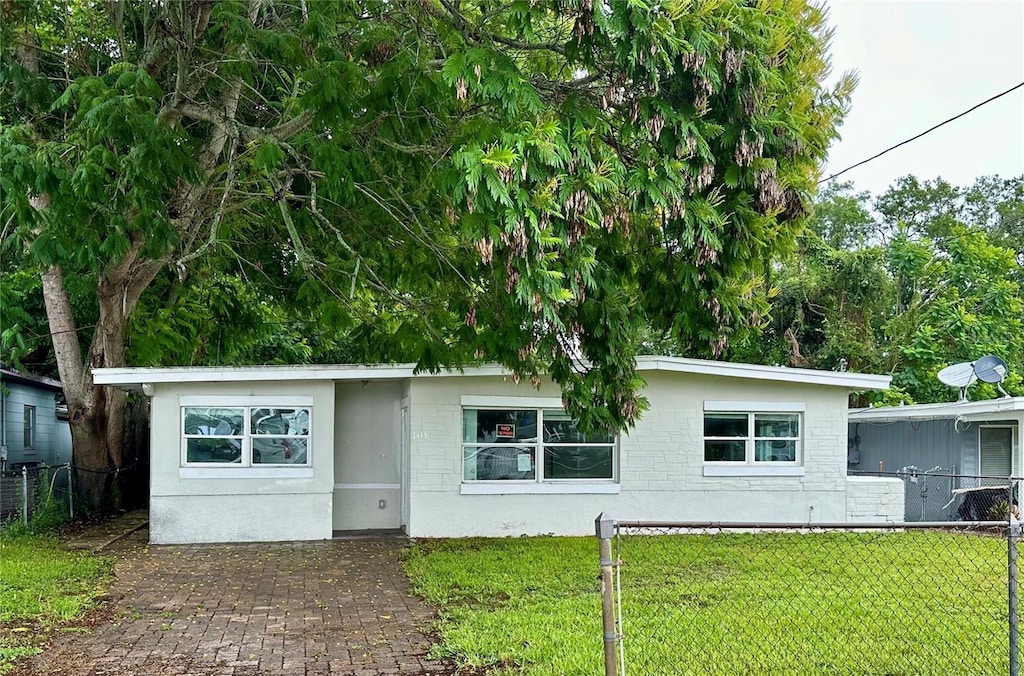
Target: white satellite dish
958, 375
991, 369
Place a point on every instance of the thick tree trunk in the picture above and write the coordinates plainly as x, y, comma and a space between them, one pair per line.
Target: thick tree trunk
95, 469
96, 413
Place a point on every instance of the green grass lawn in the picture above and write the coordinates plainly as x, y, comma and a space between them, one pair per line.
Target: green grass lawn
42, 587
855, 603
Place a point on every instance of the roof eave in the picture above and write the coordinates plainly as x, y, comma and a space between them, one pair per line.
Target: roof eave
135, 377
847, 380
968, 410
40, 382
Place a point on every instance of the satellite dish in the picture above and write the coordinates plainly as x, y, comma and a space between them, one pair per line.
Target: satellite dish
958, 375
990, 369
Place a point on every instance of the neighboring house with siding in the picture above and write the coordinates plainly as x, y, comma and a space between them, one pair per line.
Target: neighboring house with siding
30, 431
302, 452
969, 438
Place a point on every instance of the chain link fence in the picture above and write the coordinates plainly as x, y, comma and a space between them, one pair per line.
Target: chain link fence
909, 598
942, 494
28, 489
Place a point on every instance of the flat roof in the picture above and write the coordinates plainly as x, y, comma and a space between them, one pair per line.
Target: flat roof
969, 410
135, 377
42, 382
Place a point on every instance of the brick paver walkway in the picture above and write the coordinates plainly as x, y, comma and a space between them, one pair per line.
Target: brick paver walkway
339, 607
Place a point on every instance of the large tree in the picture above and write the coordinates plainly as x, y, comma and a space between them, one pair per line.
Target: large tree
926, 275
538, 182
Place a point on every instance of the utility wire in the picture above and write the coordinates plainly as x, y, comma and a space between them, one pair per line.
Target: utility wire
926, 131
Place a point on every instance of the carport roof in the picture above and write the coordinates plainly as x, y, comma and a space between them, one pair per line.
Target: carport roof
135, 377
972, 410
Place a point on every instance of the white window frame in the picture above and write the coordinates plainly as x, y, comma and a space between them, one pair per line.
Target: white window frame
749, 466
31, 421
539, 484
246, 468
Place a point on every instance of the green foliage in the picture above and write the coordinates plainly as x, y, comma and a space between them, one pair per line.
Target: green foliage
533, 183
906, 297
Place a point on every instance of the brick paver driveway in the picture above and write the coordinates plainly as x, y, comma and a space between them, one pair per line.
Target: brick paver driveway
339, 607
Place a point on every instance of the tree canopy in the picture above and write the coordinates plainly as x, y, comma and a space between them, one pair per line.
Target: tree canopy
536, 183
925, 275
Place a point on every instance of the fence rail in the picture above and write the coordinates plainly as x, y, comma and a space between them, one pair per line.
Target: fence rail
756, 598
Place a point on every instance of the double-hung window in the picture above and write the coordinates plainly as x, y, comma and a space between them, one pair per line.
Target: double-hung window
753, 437
542, 444
266, 434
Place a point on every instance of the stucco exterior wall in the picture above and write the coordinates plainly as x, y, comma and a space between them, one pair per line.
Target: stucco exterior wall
234, 505
661, 466
368, 456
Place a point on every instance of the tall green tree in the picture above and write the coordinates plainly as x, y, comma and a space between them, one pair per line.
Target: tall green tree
923, 277
536, 182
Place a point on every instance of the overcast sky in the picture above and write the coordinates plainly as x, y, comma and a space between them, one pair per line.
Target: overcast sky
921, 62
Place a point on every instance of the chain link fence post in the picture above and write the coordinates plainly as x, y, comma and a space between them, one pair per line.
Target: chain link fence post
71, 492
24, 495
604, 526
1012, 536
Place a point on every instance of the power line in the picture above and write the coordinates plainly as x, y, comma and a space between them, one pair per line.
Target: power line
926, 131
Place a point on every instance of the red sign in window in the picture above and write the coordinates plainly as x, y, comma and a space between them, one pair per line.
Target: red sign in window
505, 431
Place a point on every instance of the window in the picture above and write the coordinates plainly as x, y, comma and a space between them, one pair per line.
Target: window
532, 445
30, 426
995, 451
751, 438
245, 436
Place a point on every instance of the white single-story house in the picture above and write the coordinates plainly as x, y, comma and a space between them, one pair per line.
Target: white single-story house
302, 452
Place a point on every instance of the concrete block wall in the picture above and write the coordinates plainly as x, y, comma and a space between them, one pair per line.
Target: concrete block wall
661, 463
874, 499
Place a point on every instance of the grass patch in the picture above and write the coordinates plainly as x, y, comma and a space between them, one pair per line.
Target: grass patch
524, 605
42, 587
879, 603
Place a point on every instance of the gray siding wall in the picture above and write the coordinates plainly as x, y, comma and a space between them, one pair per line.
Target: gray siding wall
922, 444
926, 444
15, 399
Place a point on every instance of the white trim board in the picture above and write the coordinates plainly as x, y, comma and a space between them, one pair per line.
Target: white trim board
540, 489
499, 401
241, 400
753, 470
243, 472
756, 406
135, 377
